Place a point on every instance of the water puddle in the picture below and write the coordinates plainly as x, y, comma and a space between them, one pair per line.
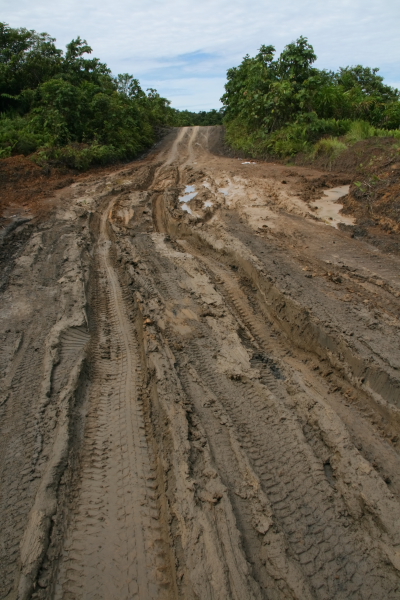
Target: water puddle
187, 197
327, 207
186, 208
188, 194
336, 193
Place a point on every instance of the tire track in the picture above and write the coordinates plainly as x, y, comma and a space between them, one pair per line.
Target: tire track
33, 418
333, 556
201, 454
116, 548
20, 448
330, 549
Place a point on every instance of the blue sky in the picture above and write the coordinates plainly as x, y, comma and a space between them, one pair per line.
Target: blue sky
184, 47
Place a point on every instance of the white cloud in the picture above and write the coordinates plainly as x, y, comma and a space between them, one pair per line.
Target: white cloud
153, 39
191, 93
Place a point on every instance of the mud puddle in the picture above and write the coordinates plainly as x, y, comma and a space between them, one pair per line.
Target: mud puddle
189, 194
328, 208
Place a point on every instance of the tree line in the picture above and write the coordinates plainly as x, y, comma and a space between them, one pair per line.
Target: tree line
67, 108
283, 105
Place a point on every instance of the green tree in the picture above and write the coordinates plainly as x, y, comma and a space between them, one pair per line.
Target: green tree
67, 104
283, 104
27, 59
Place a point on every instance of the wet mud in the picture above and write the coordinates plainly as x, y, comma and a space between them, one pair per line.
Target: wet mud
200, 394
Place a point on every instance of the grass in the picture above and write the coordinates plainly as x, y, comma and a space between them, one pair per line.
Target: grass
362, 130
302, 137
330, 147
359, 130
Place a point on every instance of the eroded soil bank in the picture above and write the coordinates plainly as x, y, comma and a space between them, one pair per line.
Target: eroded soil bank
200, 392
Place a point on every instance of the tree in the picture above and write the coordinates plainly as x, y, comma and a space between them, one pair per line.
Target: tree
295, 61
27, 59
52, 99
129, 86
286, 103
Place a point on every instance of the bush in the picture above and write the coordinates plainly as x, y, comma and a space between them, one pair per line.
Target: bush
360, 130
331, 147
67, 108
79, 156
387, 133
284, 105
17, 136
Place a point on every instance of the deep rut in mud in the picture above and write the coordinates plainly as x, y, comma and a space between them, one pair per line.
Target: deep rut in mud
115, 547
200, 397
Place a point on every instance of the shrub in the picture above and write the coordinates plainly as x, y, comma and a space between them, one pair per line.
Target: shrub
79, 156
17, 136
394, 133
284, 104
331, 147
360, 130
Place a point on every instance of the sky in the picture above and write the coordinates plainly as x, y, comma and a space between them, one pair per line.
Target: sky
183, 48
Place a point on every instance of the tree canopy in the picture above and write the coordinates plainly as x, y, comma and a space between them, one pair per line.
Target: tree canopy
66, 106
268, 94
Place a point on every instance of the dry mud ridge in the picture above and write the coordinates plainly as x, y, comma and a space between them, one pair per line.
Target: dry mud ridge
200, 390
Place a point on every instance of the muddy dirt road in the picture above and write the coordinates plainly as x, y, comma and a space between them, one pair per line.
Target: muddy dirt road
200, 392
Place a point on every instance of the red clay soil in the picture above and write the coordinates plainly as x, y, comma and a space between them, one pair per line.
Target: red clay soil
24, 185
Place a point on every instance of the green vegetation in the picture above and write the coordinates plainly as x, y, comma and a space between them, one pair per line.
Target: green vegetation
68, 109
65, 107
285, 106
185, 118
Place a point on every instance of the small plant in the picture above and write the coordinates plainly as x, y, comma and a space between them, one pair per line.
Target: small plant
359, 130
365, 190
331, 147
395, 133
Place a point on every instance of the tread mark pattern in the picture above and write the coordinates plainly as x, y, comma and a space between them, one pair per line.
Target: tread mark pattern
305, 508
115, 546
